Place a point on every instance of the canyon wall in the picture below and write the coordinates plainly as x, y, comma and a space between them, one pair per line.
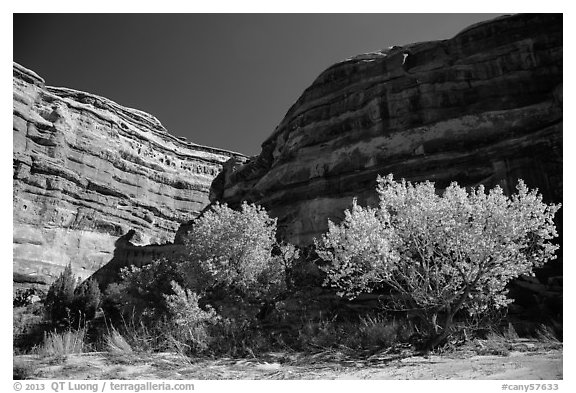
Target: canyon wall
86, 171
484, 107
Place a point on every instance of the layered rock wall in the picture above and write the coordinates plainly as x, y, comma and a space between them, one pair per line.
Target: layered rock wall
484, 107
87, 171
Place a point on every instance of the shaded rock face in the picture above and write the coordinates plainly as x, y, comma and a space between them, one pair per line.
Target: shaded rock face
484, 107
87, 171
127, 254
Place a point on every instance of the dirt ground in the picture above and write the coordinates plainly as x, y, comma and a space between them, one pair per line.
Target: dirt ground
466, 365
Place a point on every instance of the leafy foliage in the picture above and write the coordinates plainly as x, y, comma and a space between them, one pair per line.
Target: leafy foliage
86, 299
28, 327
141, 291
59, 298
439, 253
233, 250
189, 321
69, 305
288, 256
27, 296
230, 278
360, 250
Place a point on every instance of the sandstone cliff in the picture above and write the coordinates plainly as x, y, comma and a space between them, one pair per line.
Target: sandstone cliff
87, 171
482, 107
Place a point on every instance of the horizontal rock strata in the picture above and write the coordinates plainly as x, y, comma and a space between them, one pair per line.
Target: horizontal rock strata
87, 170
484, 107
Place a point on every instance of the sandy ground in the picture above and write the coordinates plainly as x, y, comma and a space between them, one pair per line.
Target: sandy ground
534, 365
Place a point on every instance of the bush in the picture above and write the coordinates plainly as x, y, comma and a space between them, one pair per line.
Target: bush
155, 312
28, 327
368, 332
237, 337
28, 296
69, 305
232, 250
60, 297
439, 254
86, 300
288, 256
189, 322
232, 264
141, 291
378, 331
359, 251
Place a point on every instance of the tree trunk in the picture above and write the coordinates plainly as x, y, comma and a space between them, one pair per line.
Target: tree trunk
452, 310
439, 339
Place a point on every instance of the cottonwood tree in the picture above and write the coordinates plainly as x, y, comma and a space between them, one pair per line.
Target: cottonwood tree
439, 254
233, 249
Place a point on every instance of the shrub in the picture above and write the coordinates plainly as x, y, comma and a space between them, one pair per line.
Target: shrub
239, 337
378, 331
28, 296
113, 302
59, 298
232, 250
439, 254
188, 321
86, 300
359, 251
368, 332
154, 311
141, 291
69, 305
288, 256
232, 264
323, 333
28, 327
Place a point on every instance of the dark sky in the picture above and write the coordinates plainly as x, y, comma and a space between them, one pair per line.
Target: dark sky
223, 80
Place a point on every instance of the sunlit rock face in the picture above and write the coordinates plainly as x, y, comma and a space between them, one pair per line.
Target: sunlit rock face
484, 107
87, 171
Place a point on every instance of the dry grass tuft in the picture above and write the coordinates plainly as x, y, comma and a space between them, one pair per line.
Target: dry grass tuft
63, 344
116, 343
